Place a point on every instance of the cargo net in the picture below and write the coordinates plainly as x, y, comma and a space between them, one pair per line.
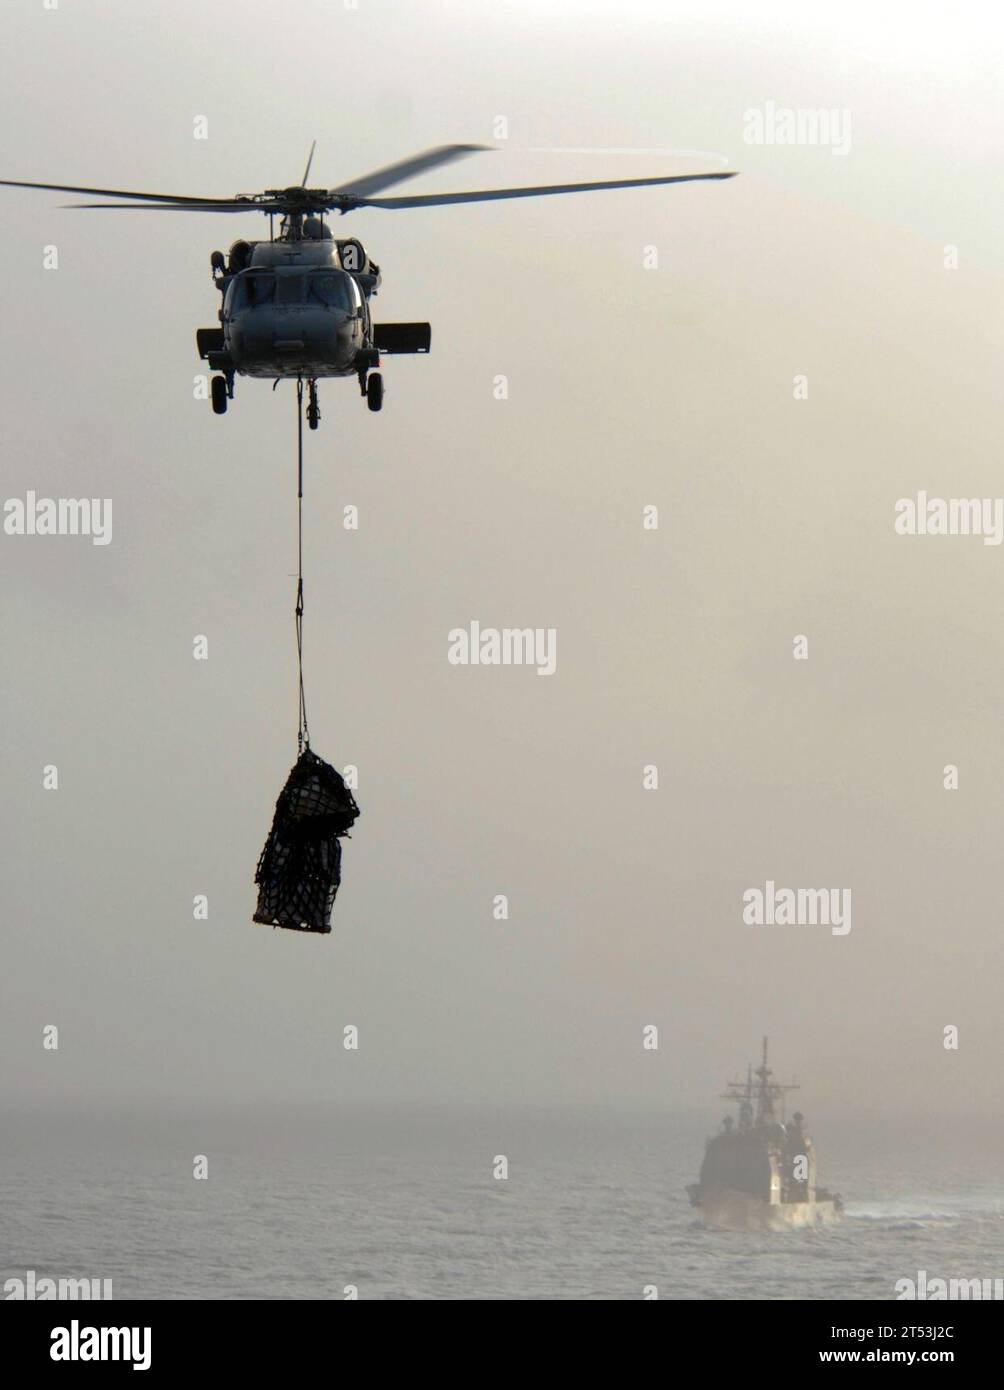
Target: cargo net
300, 867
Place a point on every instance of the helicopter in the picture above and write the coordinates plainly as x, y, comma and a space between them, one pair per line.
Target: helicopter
298, 305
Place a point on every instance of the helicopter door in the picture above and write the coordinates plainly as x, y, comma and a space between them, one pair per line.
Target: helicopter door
360, 308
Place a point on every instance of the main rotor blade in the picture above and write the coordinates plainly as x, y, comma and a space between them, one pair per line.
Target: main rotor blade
115, 193
484, 195
310, 160
196, 205
373, 182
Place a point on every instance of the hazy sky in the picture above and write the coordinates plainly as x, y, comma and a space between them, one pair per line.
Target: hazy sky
628, 386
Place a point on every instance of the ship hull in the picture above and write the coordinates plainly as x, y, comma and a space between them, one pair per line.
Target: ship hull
727, 1210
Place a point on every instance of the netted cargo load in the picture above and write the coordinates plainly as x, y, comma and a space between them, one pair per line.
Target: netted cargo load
300, 867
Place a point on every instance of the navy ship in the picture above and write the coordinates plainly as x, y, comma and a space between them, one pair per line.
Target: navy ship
759, 1173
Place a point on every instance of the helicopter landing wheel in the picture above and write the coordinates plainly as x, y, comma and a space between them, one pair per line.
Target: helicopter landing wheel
313, 409
218, 386
374, 391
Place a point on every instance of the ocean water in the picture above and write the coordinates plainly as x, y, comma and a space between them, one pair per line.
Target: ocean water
406, 1206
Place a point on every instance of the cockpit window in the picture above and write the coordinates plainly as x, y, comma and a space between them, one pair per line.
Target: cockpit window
290, 289
252, 289
333, 288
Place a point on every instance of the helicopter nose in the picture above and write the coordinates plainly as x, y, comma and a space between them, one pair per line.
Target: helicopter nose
317, 335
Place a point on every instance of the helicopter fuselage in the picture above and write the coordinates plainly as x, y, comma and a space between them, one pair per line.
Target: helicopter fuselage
294, 311
300, 307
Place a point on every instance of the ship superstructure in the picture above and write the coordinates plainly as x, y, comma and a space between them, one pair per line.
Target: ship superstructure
759, 1172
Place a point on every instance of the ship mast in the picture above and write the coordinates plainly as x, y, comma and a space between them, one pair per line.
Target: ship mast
742, 1091
757, 1105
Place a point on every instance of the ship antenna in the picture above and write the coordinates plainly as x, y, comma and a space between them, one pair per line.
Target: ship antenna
764, 1106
